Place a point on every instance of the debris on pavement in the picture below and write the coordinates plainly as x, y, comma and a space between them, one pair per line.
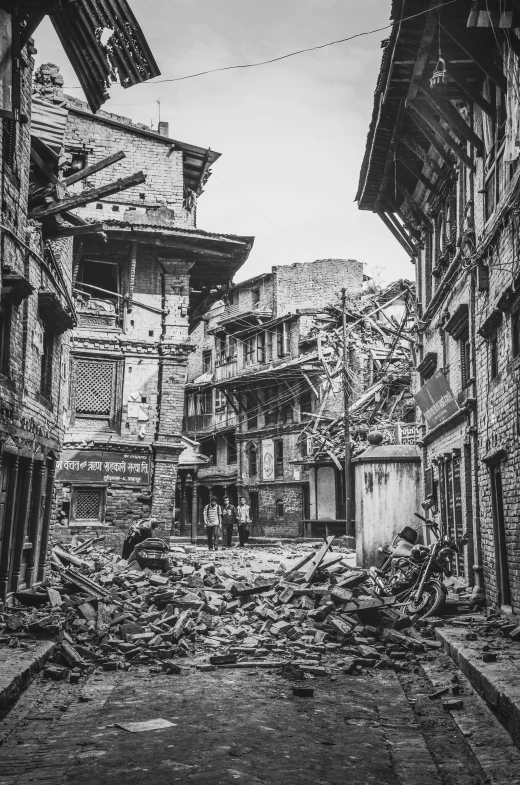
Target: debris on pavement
301, 610
139, 727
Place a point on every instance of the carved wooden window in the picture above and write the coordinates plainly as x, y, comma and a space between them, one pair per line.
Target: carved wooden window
94, 392
88, 505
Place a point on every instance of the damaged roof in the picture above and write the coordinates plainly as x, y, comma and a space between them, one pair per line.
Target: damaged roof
104, 44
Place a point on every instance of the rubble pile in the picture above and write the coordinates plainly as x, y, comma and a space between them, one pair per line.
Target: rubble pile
113, 615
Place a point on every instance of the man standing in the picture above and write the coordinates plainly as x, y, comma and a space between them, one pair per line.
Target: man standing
229, 516
213, 521
244, 517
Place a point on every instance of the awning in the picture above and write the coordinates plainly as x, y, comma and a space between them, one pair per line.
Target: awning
104, 44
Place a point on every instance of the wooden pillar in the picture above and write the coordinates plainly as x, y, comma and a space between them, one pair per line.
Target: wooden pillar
46, 523
8, 527
34, 524
194, 507
182, 513
23, 521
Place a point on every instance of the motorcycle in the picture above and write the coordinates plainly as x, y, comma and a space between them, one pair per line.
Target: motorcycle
414, 573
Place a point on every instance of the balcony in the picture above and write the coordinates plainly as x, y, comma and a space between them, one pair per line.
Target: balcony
242, 316
227, 368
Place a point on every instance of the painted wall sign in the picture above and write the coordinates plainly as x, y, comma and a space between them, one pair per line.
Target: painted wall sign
267, 459
436, 400
94, 466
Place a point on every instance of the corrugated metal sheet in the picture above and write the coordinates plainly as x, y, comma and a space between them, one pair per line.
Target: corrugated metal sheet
48, 123
97, 59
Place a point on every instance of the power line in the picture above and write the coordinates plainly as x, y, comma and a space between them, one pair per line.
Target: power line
300, 51
290, 54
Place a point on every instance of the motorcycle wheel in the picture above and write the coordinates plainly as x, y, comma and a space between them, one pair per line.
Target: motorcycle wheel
432, 601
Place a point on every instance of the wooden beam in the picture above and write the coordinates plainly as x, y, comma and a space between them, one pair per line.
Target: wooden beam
490, 70
423, 54
43, 167
454, 119
471, 91
416, 172
93, 168
86, 197
422, 220
430, 136
171, 242
514, 42
77, 260
33, 21
75, 231
423, 156
398, 236
443, 135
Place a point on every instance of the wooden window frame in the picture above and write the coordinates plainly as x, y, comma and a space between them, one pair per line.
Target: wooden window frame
114, 417
278, 459
207, 361
100, 521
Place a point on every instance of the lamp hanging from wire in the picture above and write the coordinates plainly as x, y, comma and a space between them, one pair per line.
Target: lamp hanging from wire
439, 78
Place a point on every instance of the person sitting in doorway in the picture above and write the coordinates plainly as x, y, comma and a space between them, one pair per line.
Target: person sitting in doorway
229, 517
213, 522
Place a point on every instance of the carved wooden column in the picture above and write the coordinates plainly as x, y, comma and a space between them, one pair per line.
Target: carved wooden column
49, 487
8, 527
194, 507
23, 521
34, 524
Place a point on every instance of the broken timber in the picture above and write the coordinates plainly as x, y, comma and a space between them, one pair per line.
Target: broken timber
86, 197
318, 558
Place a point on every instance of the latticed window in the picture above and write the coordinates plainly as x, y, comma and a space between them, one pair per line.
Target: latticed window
87, 505
94, 390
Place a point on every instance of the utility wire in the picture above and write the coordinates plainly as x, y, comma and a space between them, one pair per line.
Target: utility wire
291, 54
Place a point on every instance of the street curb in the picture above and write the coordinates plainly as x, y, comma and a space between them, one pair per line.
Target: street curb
16, 677
497, 683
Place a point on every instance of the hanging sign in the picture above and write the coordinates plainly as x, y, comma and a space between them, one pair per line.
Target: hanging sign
267, 459
94, 466
436, 400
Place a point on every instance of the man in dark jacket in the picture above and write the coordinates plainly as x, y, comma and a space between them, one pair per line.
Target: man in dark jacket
139, 532
229, 517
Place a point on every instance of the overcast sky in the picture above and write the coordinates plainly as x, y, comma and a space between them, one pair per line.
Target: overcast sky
291, 134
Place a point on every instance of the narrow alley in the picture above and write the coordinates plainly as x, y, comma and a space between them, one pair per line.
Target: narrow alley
230, 724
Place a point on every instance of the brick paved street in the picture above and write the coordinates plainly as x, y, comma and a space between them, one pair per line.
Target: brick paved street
246, 726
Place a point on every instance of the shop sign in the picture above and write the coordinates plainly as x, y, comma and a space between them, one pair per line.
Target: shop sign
94, 466
436, 400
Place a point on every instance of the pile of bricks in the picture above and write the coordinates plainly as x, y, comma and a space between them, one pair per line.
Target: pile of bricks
109, 614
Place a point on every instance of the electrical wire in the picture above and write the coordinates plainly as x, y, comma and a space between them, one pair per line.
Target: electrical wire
291, 54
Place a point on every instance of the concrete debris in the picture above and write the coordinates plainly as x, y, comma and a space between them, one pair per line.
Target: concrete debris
216, 611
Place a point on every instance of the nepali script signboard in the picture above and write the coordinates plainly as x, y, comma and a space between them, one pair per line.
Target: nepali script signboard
93, 466
436, 400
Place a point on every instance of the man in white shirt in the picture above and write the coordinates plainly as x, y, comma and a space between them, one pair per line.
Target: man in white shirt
212, 521
243, 518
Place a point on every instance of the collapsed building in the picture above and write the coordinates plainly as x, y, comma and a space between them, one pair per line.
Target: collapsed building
264, 396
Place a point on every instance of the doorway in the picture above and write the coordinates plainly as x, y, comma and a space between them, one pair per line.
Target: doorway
501, 564
255, 507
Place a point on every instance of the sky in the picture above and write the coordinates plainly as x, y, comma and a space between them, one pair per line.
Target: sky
292, 134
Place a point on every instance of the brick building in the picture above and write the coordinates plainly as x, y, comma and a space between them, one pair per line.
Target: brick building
138, 274
36, 305
441, 171
254, 381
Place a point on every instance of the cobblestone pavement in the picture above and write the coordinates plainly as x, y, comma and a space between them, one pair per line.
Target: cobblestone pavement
246, 726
